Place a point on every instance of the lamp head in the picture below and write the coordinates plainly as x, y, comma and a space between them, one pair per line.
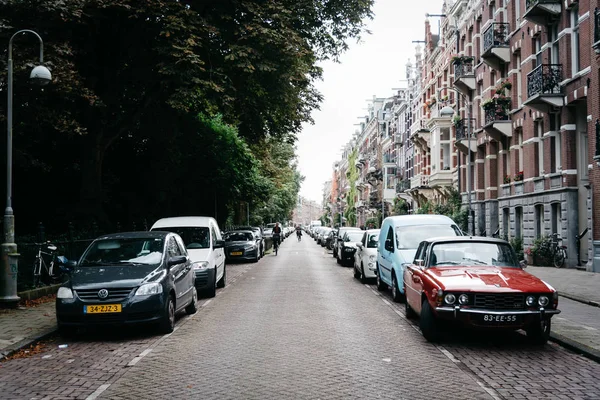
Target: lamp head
41, 75
447, 111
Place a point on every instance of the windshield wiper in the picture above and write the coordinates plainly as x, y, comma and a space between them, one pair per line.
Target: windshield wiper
475, 261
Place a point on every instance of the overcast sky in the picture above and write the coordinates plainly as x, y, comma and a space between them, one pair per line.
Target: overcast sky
372, 67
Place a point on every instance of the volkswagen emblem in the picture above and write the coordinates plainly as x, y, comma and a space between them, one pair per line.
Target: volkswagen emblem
103, 293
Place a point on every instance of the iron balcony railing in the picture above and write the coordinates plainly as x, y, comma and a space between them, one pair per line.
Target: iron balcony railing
462, 128
498, 112
544, 79
403, 185
463, 67
496, 35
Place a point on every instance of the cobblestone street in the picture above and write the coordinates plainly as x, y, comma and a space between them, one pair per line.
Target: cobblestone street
298, 326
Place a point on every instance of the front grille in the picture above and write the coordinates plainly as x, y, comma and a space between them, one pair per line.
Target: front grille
116, 294
501, 301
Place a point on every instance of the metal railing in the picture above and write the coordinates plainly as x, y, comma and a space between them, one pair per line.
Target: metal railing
462, 68
461, 129
532, 3
544, 79
496, 113
496, 35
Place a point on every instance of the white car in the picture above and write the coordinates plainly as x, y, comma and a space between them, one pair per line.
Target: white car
205, 246
365, 258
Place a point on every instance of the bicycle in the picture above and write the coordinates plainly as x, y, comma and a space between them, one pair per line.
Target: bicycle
52, 271
299, 234
557, 251
275, 243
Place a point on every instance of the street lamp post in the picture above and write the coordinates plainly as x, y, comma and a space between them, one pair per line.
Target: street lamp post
9, 265
448, 111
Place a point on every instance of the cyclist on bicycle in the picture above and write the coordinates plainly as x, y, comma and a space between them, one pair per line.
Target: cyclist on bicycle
277, 234
298, 232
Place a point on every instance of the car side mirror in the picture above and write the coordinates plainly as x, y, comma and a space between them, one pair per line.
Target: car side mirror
420, 263
68, 266
523, 264
176, 260
219, 244
389, 245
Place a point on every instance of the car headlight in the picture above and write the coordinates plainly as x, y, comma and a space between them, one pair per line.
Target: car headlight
348, 249
372, 258
543, 301
463, 299
200, 265
251, 247
450, 298
530, 300
64, 293
149, 288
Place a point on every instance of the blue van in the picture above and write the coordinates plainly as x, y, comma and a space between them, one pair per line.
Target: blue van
398, 241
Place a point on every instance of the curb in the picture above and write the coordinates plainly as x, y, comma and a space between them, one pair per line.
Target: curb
579, 299
576, 347
8, 351
38, 292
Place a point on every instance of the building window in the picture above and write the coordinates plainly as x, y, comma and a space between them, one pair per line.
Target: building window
539, 220
517, 10
519, 222
554, 53
575, 39
519, 80
520, 151
506, 223
537, 47
539, 126
555, 215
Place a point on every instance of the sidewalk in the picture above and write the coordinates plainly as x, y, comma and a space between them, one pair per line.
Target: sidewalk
576, 327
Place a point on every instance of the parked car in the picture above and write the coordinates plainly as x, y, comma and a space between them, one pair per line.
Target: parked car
242, 245
259, 233
204, 242
338, 241
348, 246
478, 282
128, 278
323, 236
365, 258
398, 241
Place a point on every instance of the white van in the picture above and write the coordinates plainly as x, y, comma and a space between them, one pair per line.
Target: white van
202, 238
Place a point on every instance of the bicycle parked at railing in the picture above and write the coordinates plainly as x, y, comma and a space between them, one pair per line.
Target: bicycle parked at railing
47, 273
558, 252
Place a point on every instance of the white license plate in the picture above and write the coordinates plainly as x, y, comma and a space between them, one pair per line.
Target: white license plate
500, 318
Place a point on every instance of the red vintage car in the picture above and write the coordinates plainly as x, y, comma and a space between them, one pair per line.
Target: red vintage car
477, 281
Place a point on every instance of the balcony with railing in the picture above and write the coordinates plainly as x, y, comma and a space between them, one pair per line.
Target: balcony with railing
420, 135
497, 118
464, 135
389, 160
419, 181
464, 74
402, 185
496, 48
543, 87
542, 11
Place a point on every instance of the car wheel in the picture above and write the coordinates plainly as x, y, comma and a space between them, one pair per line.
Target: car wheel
397, 296
381, 286
334, 253
167, 323
363, 278
428, 323
193, 306
211, 290
539, 332
222, 281
408, 311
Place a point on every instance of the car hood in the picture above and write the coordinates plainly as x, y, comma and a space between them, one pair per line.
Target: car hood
489, 279
198, 254
114, 276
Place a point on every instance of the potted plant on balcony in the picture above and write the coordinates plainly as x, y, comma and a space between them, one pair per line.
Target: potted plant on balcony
461, 59
456, 120
519, 176
506, 179
488, 104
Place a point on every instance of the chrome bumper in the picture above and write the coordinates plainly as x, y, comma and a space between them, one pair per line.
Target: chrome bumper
456, 310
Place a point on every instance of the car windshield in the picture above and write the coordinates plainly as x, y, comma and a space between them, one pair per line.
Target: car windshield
373, 240
238, 236
354, 236
473, 254
194, 237
115, 251
408, 237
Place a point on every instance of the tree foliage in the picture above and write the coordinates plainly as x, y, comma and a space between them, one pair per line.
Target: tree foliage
116, 135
